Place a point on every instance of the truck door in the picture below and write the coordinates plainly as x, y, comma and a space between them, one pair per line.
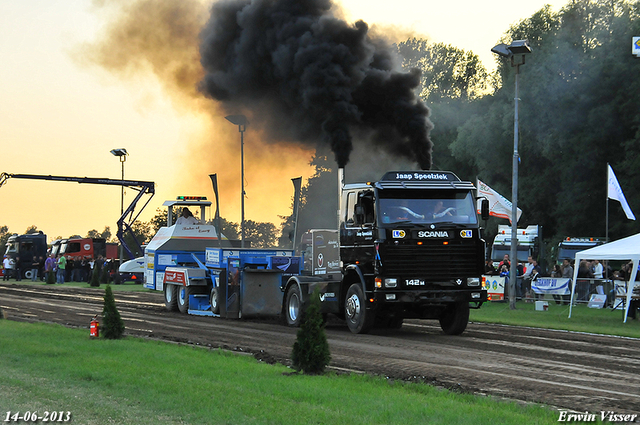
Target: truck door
357, 237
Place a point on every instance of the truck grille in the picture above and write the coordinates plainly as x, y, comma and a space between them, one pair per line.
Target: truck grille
432, 262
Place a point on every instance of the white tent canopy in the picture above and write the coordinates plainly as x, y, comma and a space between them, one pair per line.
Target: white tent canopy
623, 249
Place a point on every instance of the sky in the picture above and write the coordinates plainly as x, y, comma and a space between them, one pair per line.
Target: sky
66, 102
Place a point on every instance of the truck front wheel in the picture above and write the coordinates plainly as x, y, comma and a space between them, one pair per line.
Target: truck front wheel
455, 318
359, 320
170, 300
293, 306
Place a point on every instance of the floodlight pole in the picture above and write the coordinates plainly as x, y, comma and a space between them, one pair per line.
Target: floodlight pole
514, 199
520, 48
122, 155
241, 121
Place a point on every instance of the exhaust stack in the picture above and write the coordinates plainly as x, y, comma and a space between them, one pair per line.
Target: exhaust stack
340, 187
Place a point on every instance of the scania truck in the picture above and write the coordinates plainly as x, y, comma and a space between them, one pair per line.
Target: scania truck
409, 247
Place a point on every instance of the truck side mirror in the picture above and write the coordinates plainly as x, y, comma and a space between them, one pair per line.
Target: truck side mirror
484, 209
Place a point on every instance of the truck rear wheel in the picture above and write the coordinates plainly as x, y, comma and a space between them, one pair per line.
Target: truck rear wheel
183, 298
213, 299
455, 318
170, 300
359, 320
293, 306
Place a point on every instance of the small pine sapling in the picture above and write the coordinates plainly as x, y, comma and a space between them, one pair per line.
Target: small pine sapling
95, 275
113, 326
311, 349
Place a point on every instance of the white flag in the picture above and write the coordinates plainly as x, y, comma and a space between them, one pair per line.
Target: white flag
614, 191
499, 206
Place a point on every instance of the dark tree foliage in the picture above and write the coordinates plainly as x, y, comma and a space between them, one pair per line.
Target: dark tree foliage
311, 349
113, 326
579, 110
447, 72
451, 79
105, 234
261, 235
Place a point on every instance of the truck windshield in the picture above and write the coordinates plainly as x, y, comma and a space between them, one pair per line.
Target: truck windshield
12, 247
426, 206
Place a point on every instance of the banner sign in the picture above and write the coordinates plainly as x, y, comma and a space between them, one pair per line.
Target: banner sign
550, 285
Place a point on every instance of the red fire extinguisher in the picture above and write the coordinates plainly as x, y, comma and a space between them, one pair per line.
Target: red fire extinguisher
93, 328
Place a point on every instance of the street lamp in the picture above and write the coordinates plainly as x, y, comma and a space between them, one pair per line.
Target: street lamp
122, 154
517, 48
241, 121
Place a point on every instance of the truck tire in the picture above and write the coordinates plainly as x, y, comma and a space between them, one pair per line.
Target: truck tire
359, 320
455, 318
170, 299
213, 299
182, 297
293, 306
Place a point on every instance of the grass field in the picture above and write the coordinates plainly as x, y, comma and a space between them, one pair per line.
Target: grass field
133, 381
52, 368
583, 319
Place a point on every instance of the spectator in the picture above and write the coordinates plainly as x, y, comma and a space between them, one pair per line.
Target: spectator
526, 277
35, 265
489, 269
7, 265
17, 270
567, 273
582, 285
49, 267
598, 271
62, 264
557, 271
86, 270
505, 261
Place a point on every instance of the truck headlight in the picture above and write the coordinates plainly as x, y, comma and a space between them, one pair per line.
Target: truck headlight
473, 281
390, 282
475, 295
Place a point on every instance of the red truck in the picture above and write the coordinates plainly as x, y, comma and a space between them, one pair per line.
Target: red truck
79, 248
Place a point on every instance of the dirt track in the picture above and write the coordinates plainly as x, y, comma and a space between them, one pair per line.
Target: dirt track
575, 371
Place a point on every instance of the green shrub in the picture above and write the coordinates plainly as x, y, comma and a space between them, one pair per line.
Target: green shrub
113, 325
95, 275
311, 349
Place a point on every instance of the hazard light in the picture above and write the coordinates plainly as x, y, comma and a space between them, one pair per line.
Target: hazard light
191, 198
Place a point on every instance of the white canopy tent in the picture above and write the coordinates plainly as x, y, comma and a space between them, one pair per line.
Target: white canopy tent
623, 249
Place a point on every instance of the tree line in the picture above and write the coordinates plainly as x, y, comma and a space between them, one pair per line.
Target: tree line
579, 109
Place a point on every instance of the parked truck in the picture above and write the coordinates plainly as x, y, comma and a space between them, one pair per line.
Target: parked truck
529, 243
569, 246
23, 249
407, 246
79, 248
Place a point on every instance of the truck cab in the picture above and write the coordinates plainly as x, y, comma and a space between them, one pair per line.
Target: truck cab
409, 247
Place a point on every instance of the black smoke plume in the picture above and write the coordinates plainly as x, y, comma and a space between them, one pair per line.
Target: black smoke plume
304, 76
